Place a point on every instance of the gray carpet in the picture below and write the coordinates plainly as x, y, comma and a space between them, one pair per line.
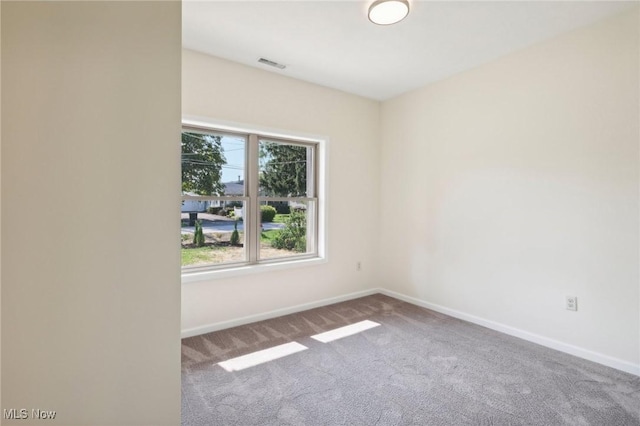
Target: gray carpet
418, 368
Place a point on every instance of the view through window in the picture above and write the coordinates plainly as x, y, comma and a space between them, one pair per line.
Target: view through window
246, 199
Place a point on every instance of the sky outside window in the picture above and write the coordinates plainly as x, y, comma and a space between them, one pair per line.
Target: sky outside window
234, 153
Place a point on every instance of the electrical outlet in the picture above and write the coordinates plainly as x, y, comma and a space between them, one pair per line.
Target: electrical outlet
358, 266
572, 303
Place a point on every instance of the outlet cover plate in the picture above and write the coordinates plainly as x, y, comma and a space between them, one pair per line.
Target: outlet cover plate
572, 303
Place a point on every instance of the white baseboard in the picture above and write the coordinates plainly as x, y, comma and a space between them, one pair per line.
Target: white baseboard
512, 331
196, 331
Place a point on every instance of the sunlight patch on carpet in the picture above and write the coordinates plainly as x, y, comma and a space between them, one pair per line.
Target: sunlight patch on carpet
345, 331
260, 357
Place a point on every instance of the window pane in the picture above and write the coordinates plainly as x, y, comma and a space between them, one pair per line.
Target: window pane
285, 169
233, 176
213, 164
290, 232
222, 236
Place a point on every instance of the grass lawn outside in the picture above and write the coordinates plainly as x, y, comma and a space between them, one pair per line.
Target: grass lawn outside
211, 254
269, 235
218, 250
280, 218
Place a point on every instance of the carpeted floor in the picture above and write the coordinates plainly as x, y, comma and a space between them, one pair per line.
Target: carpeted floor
418, 367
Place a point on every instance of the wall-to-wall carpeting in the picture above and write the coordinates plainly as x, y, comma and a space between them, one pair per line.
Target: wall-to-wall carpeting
418, 367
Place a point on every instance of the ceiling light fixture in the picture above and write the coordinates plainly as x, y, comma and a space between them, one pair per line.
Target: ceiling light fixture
387, 12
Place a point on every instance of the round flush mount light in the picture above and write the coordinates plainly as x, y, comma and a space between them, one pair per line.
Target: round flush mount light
387, 12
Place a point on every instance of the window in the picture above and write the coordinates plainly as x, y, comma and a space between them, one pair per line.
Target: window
247, 199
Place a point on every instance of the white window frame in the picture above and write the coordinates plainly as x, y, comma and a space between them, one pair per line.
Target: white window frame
252, 200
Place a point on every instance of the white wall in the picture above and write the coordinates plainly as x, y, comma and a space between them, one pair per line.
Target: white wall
519, 180
223, 90
91, 294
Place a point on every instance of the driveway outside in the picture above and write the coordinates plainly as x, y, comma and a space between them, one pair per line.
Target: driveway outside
213, 223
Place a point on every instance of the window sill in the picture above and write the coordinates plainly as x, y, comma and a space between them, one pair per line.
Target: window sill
211, 275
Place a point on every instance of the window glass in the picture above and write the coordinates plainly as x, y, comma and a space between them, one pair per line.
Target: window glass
227, 220
213, 236
290, 232
233, 176
213, 164
212, 229
284, 169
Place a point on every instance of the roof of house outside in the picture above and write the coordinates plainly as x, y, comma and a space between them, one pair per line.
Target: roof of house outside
234, 188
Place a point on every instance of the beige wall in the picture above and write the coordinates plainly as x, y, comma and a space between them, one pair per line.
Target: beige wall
90, 187
222, 90
0, 209
519, 180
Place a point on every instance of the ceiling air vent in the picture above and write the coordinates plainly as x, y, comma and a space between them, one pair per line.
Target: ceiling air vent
271, 63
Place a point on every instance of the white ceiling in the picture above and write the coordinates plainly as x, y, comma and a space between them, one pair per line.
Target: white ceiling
332, 43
